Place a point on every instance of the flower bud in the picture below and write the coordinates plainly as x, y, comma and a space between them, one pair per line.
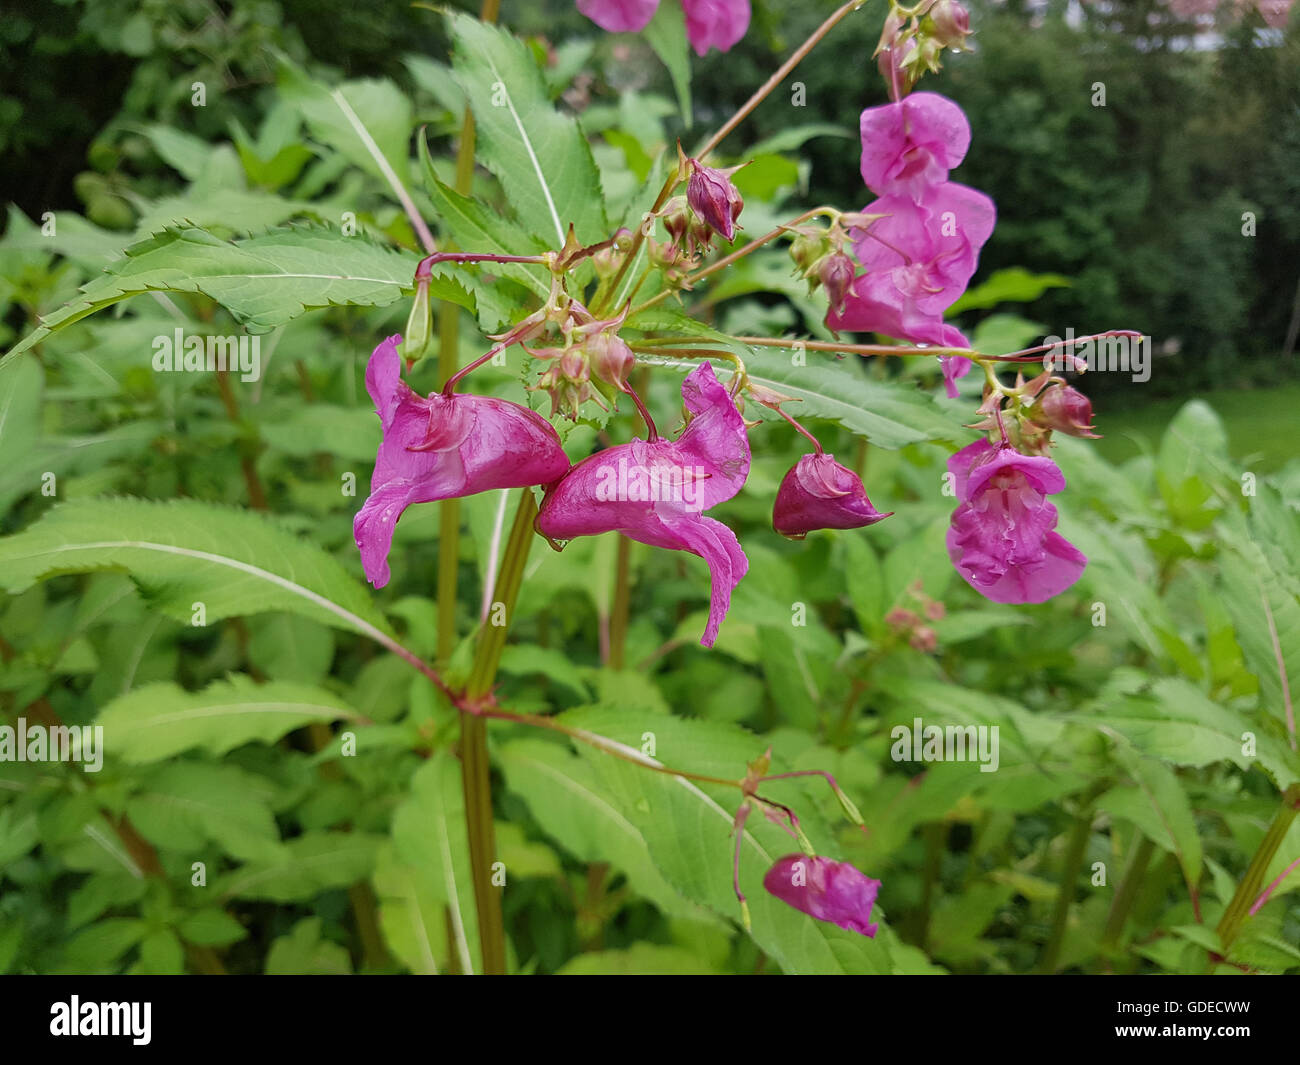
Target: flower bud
836, 273
951, 24
607, 261
819, 493
419, 325
924, 639
1065, 409
809, 247
714, 197
610, 358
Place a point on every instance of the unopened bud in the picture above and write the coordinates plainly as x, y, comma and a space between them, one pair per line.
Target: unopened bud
611, 359
836, 273
419, 325
1067, 410
714, 197
951, 24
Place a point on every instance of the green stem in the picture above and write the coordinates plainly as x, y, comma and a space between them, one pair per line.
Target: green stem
1249, 888
1127, 892
1075, 850
619, 612
475, 768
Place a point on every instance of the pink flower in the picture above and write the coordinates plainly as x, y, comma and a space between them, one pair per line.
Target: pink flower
1003, 537
715, 23
709, 23
825, 889
909, 146
443, 447
619, 16
918, 260
819, 493
655, 491
1067, 410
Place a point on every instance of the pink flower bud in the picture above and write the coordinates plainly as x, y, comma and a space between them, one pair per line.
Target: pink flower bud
714, 198
611, 359
819, 493
1066, 409
836, 273
825, 889
951, 24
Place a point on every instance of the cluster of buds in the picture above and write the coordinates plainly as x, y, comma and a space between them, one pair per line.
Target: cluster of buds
1037, 409
914, 38
820, 259
593, 355
911, 624
711, 207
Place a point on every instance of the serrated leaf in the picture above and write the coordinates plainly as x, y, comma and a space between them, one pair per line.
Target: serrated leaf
185, 552
263, 281
161, 720
540, 156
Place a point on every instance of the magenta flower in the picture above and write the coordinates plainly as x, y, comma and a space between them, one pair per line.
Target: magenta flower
709, 23
909, 146
918, 260
825, 889
655, 491
1002, 537
443, 447
819, 493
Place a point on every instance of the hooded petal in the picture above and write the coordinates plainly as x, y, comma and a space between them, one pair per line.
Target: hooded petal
619, 16
819, 493
654, 492
443, 447
715, 23
825, 889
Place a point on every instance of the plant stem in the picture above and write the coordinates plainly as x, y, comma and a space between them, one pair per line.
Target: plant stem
622, 595
1249, 888
1127, 892
475, 768
1074, 853
779, 76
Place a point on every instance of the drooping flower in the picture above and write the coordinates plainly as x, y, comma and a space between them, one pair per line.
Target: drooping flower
1002, 537
908, 147
819, 493
918, 261
709, 23
443, 447
825, 889
655, 491
714, 198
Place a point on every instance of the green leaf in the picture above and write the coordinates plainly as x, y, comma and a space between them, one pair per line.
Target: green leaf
189, 803
666, 34
287, 647
311, 863
687, 829
1181, 726
540, 156
211, 927
889, 414
161, 720
1159, 806
305, 951
641, 959
429, 838
1013, 285
264, 281
184, 553
338, 117
567, 800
